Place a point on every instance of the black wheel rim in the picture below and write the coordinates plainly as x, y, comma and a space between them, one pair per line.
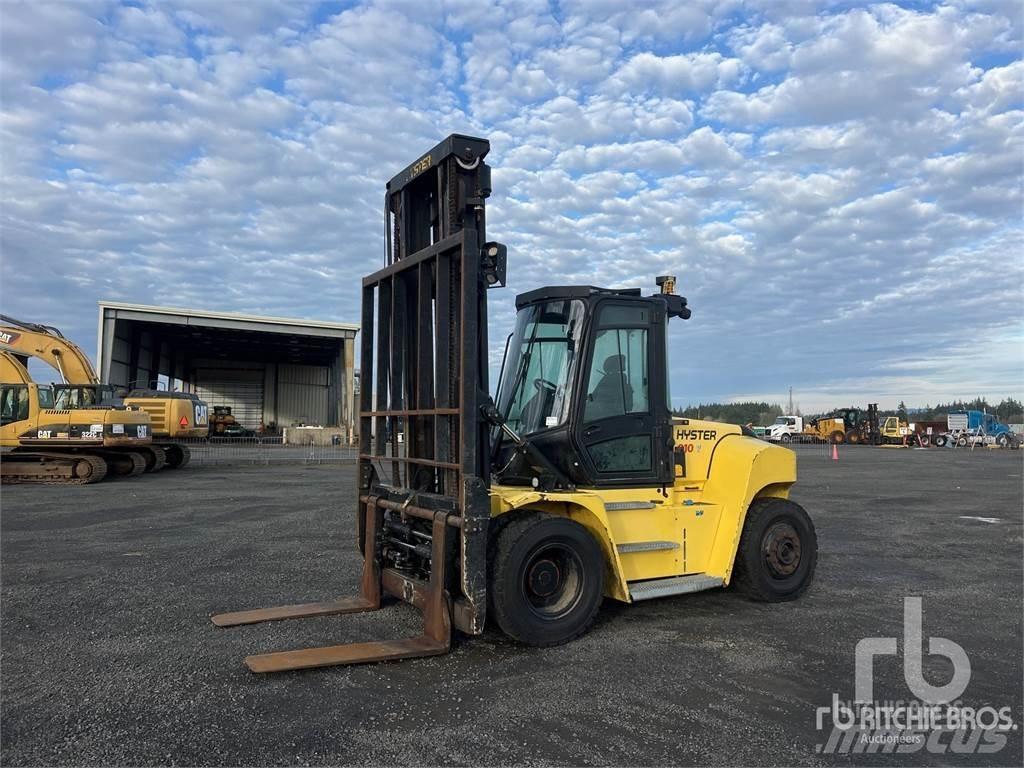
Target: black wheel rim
781, 548
552, 581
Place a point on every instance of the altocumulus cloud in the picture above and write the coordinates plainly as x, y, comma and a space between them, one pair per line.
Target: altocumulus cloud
838, 189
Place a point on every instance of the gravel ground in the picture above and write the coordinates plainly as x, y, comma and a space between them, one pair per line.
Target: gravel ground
108, 655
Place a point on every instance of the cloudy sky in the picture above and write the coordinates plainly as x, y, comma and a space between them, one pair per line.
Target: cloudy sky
837, 185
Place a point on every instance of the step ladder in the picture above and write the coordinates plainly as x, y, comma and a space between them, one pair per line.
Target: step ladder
674, 585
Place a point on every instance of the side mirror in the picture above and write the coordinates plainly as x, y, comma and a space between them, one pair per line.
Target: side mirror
675, 305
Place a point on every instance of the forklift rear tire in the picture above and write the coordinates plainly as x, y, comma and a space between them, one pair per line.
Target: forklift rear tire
778, 552
546, 579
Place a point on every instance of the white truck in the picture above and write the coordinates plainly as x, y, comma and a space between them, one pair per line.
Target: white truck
786, 429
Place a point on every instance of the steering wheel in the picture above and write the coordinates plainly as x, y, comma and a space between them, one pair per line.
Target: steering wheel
543, 385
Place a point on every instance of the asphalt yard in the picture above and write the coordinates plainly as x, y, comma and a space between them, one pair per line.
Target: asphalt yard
109, 657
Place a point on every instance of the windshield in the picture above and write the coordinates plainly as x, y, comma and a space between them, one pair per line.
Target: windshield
534, 392
71, 396
45, 395
782, 420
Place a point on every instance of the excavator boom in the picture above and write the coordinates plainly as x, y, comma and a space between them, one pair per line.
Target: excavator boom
48, 344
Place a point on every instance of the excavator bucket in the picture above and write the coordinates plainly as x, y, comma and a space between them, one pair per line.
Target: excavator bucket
424, 440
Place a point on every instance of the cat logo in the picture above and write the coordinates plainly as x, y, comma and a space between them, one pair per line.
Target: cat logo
9, 337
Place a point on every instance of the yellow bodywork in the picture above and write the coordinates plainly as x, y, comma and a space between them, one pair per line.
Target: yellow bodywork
25, 423
825, 428
696, 523
894, 429
176, 418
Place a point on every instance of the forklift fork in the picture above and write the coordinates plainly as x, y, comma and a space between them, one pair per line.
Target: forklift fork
432, 600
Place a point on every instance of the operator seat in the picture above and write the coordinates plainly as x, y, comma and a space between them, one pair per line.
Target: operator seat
613, 395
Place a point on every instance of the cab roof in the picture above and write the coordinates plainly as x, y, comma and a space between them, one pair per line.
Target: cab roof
556, 292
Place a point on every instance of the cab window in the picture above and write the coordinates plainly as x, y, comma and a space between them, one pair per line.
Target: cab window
616, 412
13, 403
618, 383
45, 395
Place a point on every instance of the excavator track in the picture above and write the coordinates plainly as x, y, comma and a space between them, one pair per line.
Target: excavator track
51, 468
124, 463
155, 457
178, 455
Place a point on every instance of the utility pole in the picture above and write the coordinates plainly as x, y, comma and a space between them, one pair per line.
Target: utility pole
790, 411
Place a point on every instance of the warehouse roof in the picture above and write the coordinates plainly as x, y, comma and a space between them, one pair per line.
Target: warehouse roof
228, 320
206, 334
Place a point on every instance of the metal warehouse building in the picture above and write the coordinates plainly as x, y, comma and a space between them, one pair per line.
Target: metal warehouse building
272, 371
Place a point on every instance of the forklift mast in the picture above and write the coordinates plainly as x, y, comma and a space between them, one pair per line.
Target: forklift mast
424, 441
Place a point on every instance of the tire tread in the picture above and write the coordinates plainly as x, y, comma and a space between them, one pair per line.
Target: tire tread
503, 545
743, 578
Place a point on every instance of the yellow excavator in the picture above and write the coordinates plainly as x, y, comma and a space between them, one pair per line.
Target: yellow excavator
46, 444
575, 485
172, 415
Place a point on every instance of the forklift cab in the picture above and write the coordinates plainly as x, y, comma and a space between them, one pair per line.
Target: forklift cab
585, 382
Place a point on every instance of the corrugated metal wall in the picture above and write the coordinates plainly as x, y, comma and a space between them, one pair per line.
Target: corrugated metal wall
302, 396
239, 388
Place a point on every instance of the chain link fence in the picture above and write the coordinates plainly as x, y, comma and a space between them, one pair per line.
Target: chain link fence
266, 450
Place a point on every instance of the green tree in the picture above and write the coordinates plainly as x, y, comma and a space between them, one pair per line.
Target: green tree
760, 414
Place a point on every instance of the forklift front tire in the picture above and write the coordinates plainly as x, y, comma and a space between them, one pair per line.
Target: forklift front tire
778, 552
546, 579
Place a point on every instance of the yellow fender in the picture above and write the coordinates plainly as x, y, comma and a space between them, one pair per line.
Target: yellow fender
742, 470
583, 506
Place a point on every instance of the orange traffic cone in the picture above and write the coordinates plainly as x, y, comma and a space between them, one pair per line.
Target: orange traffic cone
835, 452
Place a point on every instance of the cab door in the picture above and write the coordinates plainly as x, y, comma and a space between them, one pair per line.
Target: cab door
14, 412
622, 417
20, 415
623, 430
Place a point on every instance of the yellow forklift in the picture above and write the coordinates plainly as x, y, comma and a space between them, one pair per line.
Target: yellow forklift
575, 485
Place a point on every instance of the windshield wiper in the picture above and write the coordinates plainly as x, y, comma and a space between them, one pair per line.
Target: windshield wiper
548, 476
